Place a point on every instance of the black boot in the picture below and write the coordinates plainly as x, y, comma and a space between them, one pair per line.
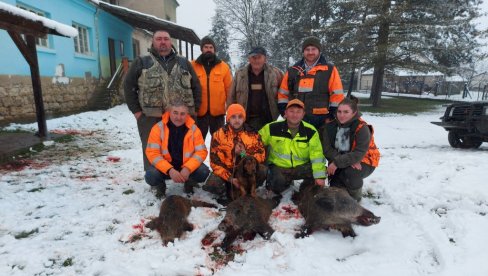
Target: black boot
188, 186
160, 191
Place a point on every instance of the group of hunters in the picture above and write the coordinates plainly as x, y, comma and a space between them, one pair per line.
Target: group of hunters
322, 139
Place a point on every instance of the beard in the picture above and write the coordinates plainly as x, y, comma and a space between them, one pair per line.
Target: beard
208, 56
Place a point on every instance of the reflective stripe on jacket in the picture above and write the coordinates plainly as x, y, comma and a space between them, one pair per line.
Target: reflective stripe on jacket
222, 154
287, 152
194, 149
218, 83
319, 89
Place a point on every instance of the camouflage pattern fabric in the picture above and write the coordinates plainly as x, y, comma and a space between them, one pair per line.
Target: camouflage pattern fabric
158, 89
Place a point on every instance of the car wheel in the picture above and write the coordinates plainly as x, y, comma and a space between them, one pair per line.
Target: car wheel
475, 144
456, 140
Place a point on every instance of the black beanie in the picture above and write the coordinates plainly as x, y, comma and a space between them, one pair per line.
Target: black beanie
207, 40
311, 41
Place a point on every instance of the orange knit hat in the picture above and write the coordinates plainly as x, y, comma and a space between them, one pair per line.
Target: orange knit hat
235, 109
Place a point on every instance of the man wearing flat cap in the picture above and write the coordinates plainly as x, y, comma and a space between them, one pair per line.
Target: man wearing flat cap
314, 81
255, 87
216, 79
294, 150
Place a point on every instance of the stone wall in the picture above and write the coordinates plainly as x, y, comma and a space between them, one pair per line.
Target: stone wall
60, 98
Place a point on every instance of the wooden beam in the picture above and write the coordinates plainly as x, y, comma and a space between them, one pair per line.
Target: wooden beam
186, 45
19, 24
36, 87
22, 45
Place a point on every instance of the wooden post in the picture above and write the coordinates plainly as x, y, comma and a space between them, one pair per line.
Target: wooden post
125, 64
179, 46
186, 46
36, 87
192, 51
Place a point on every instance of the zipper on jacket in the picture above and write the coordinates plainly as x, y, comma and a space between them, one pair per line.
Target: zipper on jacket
291, 158
208, 92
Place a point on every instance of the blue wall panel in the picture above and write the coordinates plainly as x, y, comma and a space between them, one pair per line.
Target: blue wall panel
61, 51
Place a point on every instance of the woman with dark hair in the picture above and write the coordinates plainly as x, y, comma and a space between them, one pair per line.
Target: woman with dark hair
349, 147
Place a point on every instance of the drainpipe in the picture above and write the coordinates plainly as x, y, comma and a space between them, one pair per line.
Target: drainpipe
97, 38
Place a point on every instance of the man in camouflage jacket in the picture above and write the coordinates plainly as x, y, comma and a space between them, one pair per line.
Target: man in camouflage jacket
153, 81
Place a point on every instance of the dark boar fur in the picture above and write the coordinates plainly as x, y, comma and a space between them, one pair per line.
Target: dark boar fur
246, 172
247, 216
330, 207
172, 220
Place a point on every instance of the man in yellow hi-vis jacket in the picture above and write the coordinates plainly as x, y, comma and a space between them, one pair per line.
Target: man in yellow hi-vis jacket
294, 150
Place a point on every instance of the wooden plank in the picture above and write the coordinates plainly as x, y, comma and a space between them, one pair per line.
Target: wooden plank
36, 87
23, 25
22, 45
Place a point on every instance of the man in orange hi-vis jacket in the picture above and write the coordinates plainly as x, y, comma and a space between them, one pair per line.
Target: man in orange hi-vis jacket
315, 82
176, 151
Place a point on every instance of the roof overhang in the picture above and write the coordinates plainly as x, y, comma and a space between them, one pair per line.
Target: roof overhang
25, 22
150, 22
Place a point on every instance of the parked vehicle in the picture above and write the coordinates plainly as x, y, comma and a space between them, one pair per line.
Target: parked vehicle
467, 124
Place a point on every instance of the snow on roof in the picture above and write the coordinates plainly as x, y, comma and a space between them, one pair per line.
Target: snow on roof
98, 2
48, 23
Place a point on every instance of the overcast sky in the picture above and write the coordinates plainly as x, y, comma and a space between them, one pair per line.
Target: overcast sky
196, 15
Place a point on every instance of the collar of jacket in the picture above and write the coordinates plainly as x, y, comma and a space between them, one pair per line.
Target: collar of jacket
216, 61
301, 63
189, 122
301, 128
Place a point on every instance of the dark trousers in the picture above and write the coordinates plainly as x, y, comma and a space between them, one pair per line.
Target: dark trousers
351, 179
145, 124
154, 177
280, 179
208, 121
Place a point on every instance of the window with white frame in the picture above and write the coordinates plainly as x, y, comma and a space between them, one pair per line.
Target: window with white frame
82, 41
40, 41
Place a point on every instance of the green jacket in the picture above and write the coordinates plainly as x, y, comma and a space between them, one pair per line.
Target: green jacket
287, 152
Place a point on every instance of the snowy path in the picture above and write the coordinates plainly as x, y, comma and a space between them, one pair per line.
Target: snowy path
73, 210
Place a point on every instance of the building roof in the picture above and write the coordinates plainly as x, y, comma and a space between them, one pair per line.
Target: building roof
149, 22
26, 22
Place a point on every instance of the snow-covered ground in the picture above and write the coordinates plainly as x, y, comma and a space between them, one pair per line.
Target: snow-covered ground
76, 209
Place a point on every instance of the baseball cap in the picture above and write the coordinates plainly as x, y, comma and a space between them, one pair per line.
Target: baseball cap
257, 51
296, 102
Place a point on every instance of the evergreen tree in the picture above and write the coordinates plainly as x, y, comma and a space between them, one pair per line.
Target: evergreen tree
408, 34
220, 35
293, 20
248, 20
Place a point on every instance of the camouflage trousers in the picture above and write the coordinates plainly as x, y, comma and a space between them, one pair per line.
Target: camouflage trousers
219, 186
280, 179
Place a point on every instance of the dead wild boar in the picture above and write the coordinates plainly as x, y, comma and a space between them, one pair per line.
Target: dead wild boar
172, 220
247, 216
325, 208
